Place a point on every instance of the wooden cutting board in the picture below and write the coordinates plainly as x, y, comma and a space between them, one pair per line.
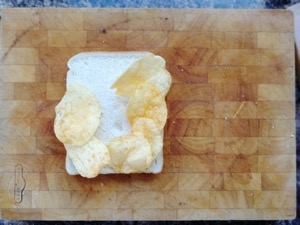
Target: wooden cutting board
229, 144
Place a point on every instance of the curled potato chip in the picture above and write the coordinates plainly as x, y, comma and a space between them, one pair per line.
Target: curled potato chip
89, 158
139, 72
162, 80
147, 128
77, 116
130, 153
148, 102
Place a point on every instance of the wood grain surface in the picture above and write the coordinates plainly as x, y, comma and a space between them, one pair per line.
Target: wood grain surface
229, 145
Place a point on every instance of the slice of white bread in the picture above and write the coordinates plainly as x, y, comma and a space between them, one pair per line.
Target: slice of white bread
98, 71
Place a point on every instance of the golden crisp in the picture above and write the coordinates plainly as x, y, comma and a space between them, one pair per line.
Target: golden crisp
77, 116
148, 102
139, 72
162, 80
89, 158
130, 154
147, 128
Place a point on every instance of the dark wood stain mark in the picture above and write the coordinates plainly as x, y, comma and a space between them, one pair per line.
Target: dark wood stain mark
15, 42
116, 24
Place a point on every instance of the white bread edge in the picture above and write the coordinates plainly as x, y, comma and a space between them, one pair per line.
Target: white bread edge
157, 165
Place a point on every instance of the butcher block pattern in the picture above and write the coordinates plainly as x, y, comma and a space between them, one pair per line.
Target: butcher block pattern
229, 145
